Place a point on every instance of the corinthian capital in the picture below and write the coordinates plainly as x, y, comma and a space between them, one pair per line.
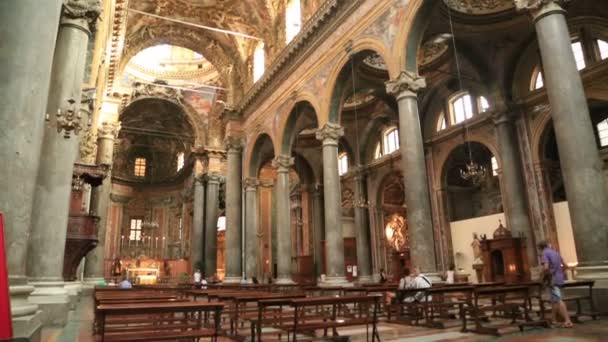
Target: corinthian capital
233, 144
251, 184
331, 132
86, 10
538, 8
108, 130
282, 162
406, 84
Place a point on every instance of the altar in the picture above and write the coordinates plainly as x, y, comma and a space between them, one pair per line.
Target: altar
143, 275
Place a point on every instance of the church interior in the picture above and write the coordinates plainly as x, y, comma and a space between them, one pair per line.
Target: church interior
265, 169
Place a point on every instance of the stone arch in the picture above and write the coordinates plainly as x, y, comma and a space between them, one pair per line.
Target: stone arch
193, 118
445, 157
304, 104
339, 75
410, 33
262, 148
372, 131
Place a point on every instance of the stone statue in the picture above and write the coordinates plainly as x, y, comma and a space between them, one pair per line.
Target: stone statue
476, 245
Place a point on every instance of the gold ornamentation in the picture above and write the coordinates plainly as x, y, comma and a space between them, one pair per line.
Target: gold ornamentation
69, 119
396, 232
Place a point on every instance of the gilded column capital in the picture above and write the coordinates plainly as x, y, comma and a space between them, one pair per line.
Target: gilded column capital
213, 178
407, 84
81, 13
282, 163
108, 130
251, 184
540, 8
330, 133
229, 113
234, 144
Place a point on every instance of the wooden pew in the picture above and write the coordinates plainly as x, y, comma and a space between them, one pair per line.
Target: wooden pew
578, 299
190, 327
509, 300
439, 300
338, 317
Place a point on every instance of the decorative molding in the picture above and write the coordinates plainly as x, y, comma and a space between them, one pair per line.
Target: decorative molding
540, 8
479, 7
407, 84
120, 198
251, 184
87, 10
141, 90
282, 162
213, 177
234, 143
88, 147
330, 133
108, 130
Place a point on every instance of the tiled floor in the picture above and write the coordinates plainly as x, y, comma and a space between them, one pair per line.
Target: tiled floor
79, 328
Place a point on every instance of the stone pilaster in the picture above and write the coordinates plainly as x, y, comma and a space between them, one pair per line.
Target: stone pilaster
252, 234
283, 211
211, 215
234, 237
94, 265
329, 135
364, 257
26, 62
318, 229
513, 196
420, 224
579, 158
198, 214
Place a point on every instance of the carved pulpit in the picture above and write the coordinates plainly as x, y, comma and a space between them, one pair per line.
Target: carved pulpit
504, 257
82, 226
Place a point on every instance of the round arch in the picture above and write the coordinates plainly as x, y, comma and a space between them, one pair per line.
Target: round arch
372, 131
410, 33
303, 103
334, 91
445, 157
262, 148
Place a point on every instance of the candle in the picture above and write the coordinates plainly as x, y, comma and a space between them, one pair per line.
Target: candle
156, 243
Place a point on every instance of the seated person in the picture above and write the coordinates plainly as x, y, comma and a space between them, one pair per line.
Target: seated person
125, 284
403, 284
420, 281
449, 274
254, 280
203, 284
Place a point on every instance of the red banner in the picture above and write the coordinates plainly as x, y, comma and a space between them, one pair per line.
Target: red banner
6, 328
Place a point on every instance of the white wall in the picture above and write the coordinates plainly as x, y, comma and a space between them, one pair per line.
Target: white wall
565, 236
462, 236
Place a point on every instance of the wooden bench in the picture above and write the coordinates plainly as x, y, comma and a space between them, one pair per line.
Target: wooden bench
578, 299
510, 302
190, 326
439, 300
338, 317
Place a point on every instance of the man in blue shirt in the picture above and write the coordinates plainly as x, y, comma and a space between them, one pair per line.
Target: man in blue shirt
125, 284
553, 276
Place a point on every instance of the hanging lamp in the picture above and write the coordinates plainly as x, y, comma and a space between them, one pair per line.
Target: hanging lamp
473, 171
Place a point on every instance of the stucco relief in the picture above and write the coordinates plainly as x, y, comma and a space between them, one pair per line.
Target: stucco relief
480, 6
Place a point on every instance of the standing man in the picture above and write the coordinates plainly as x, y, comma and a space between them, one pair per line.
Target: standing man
553, 277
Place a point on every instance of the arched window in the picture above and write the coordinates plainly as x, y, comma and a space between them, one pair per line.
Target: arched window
579, 56
441, 124
537, 80
484, 105
139, 169
180, 161
342, 164
293, 20
462, 108
258, 61
494, 167
390, 140
378, 151
603, 47
602, 131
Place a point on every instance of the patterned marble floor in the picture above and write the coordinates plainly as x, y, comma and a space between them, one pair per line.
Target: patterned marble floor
79, 329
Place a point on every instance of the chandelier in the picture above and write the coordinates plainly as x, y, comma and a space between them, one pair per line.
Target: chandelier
473, 172
148, 222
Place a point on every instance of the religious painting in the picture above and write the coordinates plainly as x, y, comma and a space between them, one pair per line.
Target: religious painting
396, 233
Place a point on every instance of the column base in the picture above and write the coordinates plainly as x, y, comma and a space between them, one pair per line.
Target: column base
74, 289
232, 280
335, 281
284, 281
25, 315
366, 279
88, 285
53, 300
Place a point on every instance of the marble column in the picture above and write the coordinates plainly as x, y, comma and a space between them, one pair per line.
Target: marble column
317, 216
579, 158
234, 236
26, 62
59, 152
211, 216
334, 240
513, 197
100, 198
420, 224
198, 214
252, 241
364, 257
283, 211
